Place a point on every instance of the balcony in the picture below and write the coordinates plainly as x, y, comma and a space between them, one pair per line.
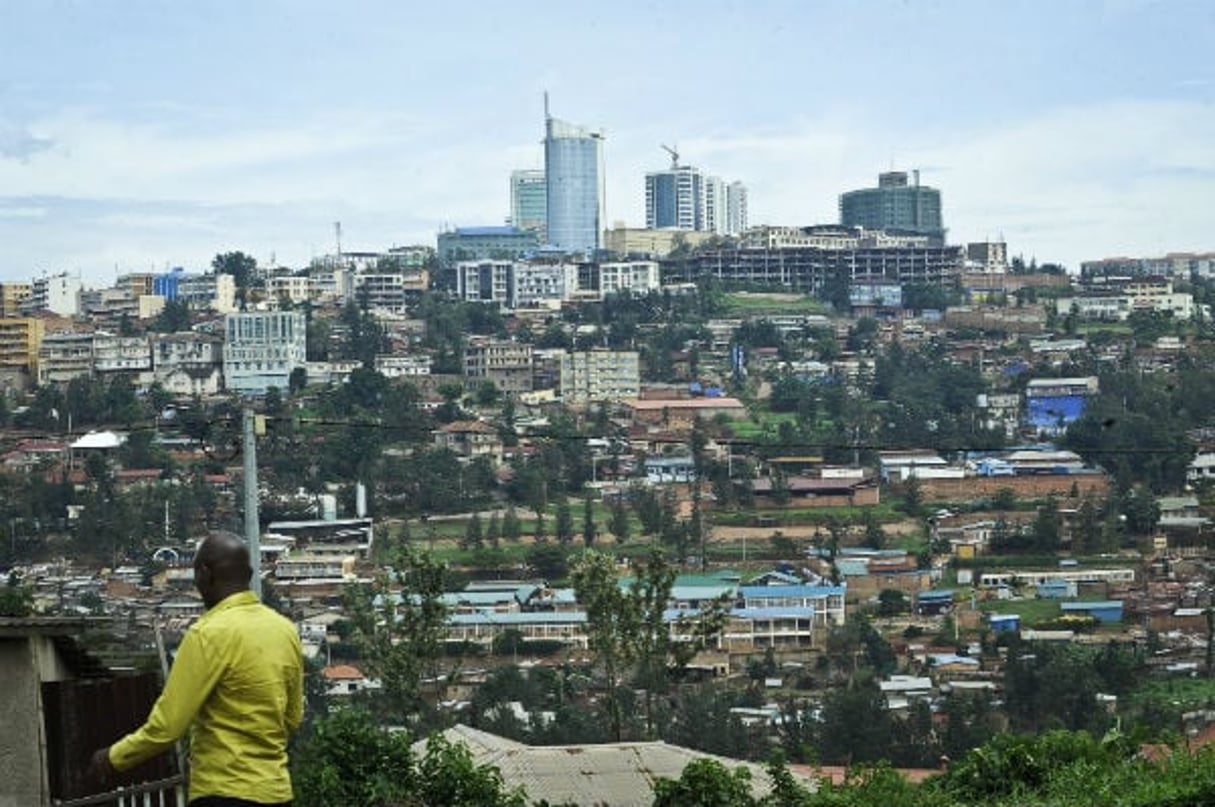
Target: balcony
169, 792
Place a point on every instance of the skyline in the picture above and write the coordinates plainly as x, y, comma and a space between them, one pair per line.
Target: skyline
139, 135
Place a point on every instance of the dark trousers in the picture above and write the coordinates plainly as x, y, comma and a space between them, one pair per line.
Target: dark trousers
229, 801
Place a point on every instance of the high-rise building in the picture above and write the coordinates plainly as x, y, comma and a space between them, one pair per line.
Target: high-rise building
573, 170
675, 199
528, 200
895, 205
683, 198
736, 208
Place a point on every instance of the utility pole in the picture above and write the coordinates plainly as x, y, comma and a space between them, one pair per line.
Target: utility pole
252, 528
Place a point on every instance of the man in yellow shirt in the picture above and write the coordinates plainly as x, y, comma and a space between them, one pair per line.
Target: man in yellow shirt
237, 679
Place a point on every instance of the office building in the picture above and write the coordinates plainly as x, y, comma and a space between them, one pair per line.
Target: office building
675, 199
895, 204
262, 349
528, 200
515, 285
598, 280
636, 241
573, 170
482, 243
810, 268
683, 198
214, 292
736, 208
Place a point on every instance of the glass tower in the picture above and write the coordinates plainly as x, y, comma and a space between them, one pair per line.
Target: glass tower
895, 205
528, 199
573, 169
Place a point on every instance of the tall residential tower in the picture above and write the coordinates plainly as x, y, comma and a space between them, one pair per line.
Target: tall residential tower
682, 198
573, 170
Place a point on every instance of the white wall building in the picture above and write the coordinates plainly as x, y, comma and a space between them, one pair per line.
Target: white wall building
262, 349
638, 277
59, 294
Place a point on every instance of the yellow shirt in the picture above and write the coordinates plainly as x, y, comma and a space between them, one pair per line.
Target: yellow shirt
238, 678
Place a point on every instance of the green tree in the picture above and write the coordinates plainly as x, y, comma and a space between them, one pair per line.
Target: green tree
565, 522
346, 759
243, 269
512, 529
16, 600
706, 783
618, 525
589, 529
474, 535
400, 624
611, 626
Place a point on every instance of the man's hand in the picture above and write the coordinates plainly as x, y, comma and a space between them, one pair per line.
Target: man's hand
101, 772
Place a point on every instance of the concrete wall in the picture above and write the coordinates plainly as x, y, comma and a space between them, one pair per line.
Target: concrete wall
22, 744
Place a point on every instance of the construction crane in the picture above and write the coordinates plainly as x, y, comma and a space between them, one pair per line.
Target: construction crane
674, 155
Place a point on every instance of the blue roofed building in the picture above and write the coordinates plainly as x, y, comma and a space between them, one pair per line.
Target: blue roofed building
1052, 404
1105, 611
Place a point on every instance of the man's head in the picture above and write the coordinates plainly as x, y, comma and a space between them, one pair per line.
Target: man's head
221, 567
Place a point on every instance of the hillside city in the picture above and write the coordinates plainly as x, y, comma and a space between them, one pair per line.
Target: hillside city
613, 514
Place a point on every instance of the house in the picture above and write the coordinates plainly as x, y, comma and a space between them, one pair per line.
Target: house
344, 680
188, 381
470, 439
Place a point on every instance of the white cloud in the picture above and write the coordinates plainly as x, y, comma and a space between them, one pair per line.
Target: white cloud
1069, 184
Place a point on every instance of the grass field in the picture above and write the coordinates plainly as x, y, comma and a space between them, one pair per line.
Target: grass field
743, 303
1032, 612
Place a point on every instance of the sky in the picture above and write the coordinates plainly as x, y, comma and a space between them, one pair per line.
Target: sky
138, 135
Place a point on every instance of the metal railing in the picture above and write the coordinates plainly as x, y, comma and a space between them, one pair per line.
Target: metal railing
169, 792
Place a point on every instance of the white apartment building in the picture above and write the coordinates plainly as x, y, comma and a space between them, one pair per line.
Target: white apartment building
638, 277
514, 285
122, 354
59, 294
600, 375
262, 349
542, 285
484, 281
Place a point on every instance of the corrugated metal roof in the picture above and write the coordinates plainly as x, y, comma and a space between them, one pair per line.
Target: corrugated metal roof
610, 775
